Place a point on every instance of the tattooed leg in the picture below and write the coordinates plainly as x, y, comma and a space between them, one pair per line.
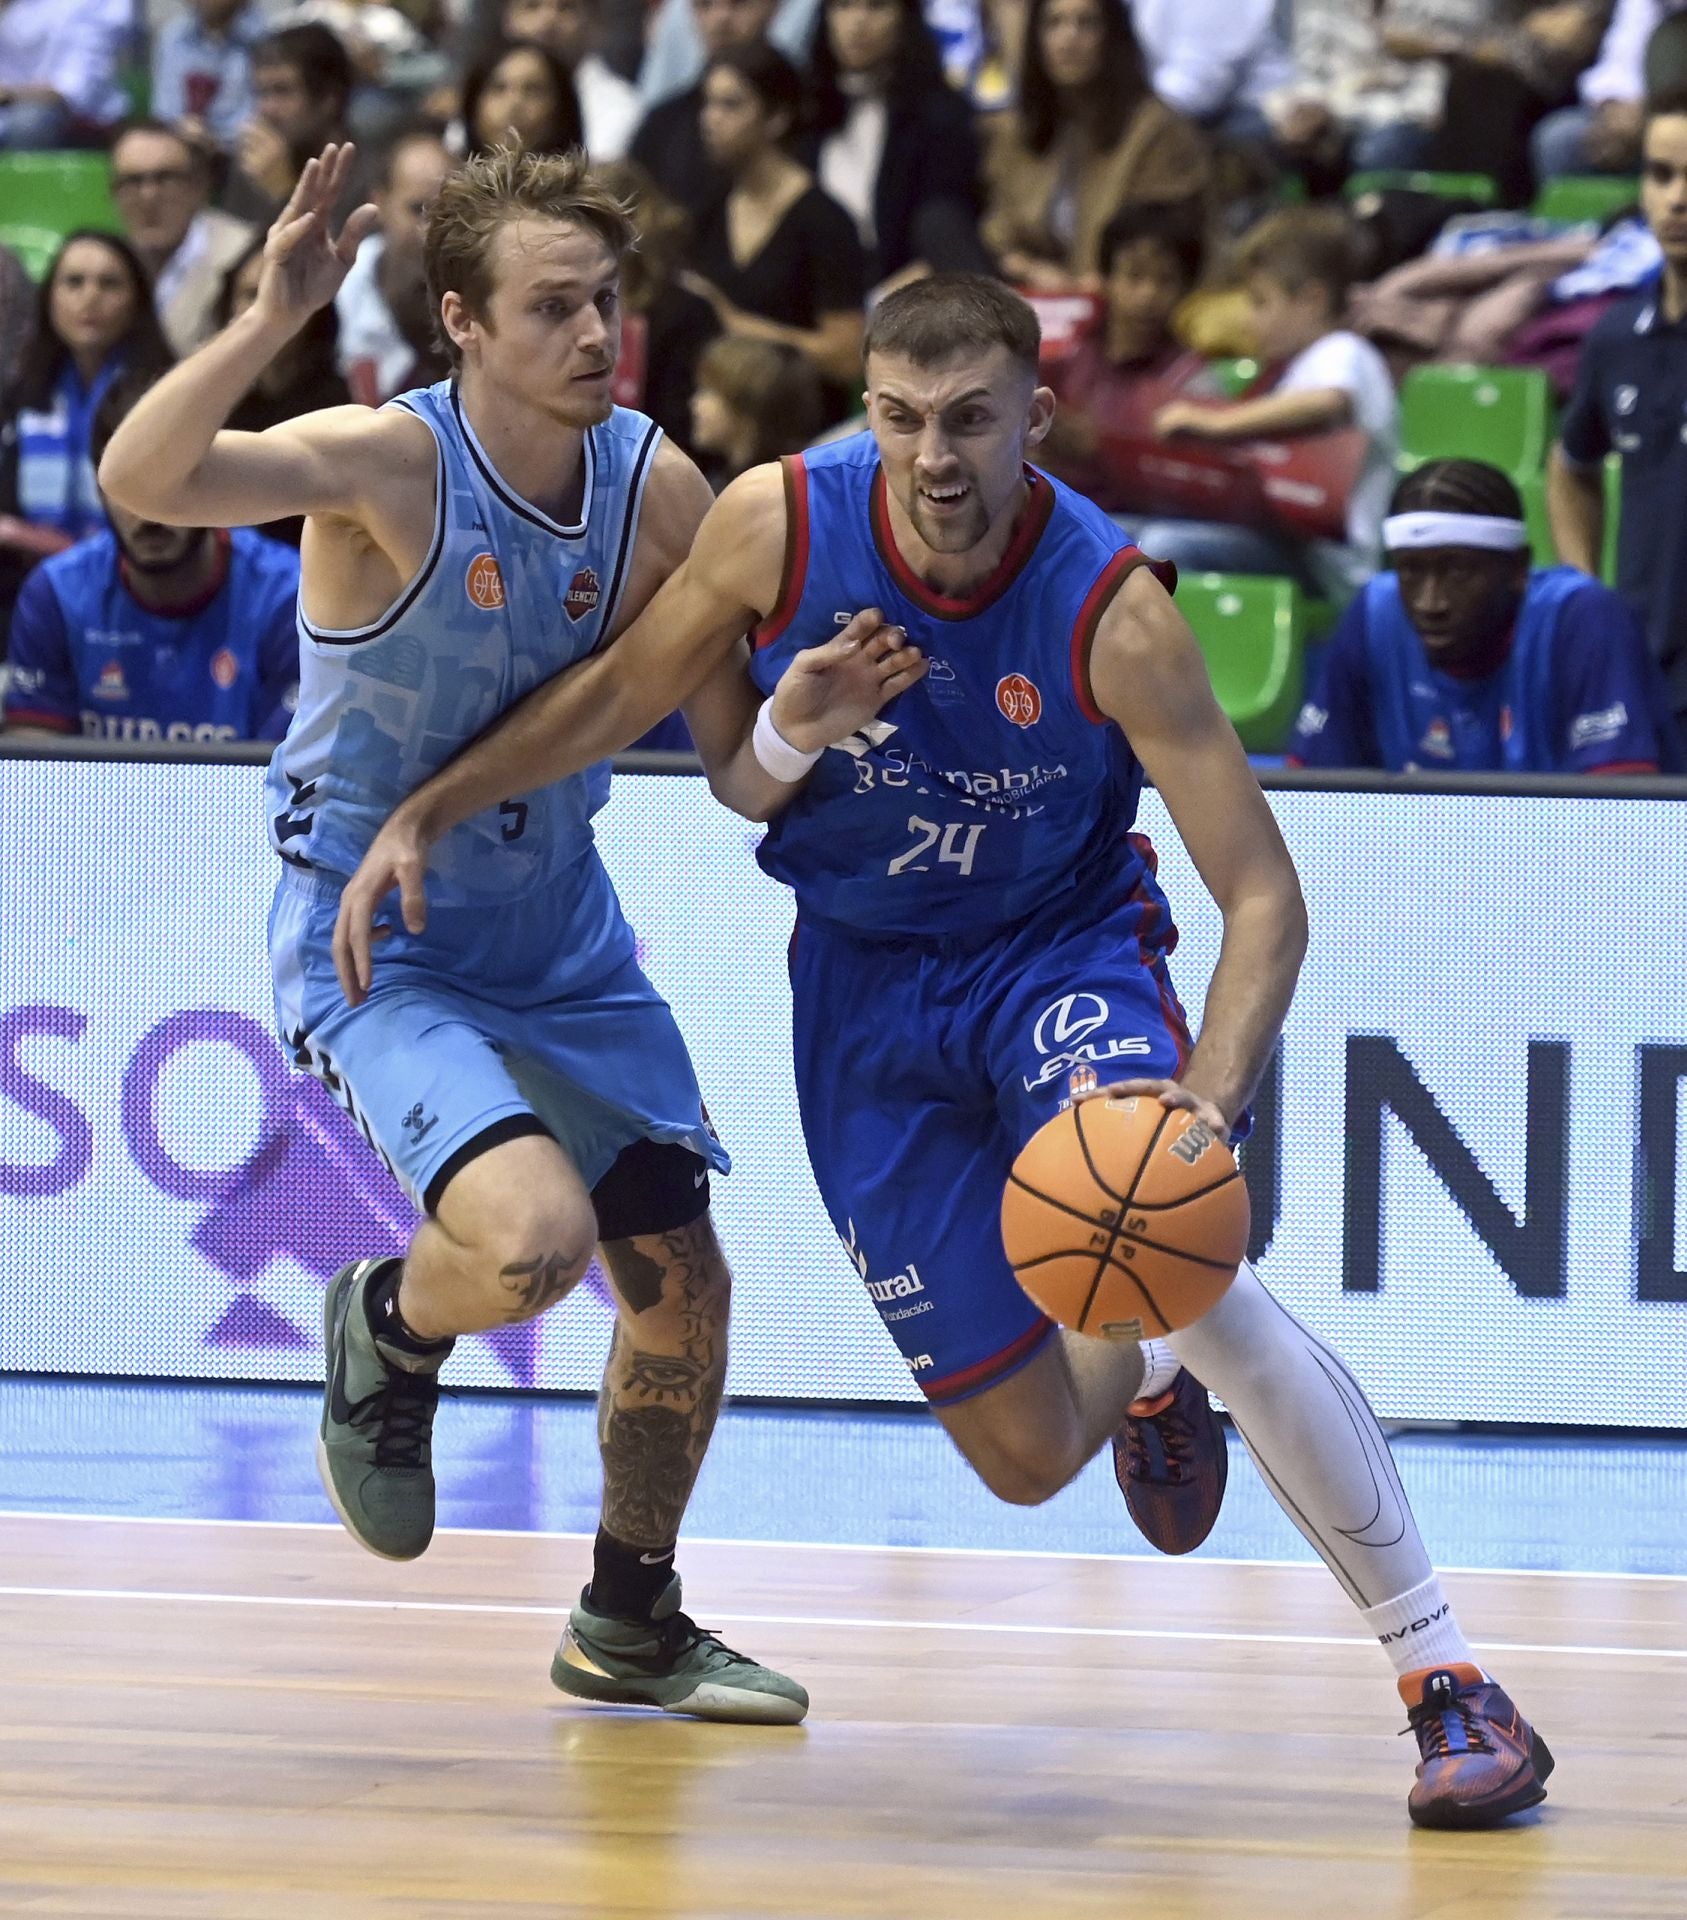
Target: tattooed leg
513, 1233
662, 1387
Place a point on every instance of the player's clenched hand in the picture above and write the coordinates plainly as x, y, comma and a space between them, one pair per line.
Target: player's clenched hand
397, 857
829, 691
1169, 1094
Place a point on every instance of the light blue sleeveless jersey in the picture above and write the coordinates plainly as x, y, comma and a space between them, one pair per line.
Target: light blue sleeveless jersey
505, 599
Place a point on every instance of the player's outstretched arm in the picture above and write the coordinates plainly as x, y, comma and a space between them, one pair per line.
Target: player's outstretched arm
1146, 672
729, 579
825, 694
170, 459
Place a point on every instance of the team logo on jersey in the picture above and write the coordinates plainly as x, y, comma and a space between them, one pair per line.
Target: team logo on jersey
1438, 739
583, 594
225, 669
485, 582
111, 685
1019, 699
1081, 1080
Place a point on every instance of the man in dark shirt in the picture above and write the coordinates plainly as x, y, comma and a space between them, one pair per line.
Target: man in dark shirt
1631, 399
1462, 659
669, 145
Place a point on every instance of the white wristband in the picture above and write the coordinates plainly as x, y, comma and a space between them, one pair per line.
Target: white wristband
774, 753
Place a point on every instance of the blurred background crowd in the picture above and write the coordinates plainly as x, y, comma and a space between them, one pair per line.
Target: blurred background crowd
1305, 268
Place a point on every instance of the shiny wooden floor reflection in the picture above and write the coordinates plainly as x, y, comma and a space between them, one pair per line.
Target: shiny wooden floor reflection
215, 1721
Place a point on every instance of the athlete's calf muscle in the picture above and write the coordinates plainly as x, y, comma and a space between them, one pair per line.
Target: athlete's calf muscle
663, 1384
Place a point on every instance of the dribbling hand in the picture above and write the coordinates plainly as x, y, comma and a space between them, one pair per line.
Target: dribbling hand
304, 264
830, 691
1169, 1093
397, 857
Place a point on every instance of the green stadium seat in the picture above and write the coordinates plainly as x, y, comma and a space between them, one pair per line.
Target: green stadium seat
1233, 377
1252, 634
1585, 196
1613, 517
34, 246
44, 196
1477, 187
1504, 415
1543, 551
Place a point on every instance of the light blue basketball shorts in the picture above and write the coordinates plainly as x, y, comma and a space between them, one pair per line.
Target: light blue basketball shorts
481, 1029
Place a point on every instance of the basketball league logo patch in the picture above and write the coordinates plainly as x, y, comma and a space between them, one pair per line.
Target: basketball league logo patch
225, 669
1019, 699
583, 594
485, 582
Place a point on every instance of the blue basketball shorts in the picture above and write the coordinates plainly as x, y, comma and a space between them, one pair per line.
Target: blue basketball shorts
444, 1061
923, 1065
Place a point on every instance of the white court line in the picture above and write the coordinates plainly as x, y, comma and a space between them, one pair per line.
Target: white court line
850, 1622
812, 1546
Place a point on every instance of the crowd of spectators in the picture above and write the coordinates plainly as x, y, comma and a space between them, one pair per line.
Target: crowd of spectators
1213, 203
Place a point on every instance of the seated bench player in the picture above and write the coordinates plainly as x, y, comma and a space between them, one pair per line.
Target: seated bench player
1463, 658
148, 632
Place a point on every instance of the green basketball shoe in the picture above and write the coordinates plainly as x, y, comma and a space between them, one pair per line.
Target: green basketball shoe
374, 1450
672, 1663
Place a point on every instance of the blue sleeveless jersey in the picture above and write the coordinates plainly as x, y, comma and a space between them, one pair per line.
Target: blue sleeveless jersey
993, 787
505, 599
1515, 709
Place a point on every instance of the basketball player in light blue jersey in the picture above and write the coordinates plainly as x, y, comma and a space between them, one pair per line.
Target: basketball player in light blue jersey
516, 1070
980, 937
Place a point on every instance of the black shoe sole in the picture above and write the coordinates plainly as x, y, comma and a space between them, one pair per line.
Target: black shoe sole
1527, 1790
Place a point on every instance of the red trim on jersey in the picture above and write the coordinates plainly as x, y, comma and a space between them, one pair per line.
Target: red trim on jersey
794, 574
33, 717
1096, 602
1626, 766
945, 606
987, 1373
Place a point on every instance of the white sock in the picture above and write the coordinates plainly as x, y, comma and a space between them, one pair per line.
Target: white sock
1417, 1629
1160, 1367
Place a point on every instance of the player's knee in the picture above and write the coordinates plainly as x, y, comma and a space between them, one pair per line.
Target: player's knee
1024, 1469
539, 1249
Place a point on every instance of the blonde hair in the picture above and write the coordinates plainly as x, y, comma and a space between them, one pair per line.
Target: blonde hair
1301, 247
662, 225
487, 192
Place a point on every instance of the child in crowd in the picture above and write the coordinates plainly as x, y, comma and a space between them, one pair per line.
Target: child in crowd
1111, 386
755, 400
1318, 379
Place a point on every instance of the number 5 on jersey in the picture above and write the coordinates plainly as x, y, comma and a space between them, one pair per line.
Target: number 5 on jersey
955, 846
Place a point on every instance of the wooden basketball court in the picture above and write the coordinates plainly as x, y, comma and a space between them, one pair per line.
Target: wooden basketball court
225, 1721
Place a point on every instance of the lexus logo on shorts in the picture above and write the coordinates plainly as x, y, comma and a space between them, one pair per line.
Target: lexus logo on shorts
1063, 1036
1069, 1020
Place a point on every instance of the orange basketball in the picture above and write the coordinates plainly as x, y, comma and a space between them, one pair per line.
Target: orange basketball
1125, 1218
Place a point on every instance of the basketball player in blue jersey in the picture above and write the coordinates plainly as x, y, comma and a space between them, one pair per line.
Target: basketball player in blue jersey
516, 1070
980, 935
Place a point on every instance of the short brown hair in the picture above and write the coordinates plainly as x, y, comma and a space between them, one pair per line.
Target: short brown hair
770, 384
949, 313
1301, 247
494, 188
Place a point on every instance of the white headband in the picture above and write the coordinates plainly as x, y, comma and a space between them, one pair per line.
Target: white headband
1406, 532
